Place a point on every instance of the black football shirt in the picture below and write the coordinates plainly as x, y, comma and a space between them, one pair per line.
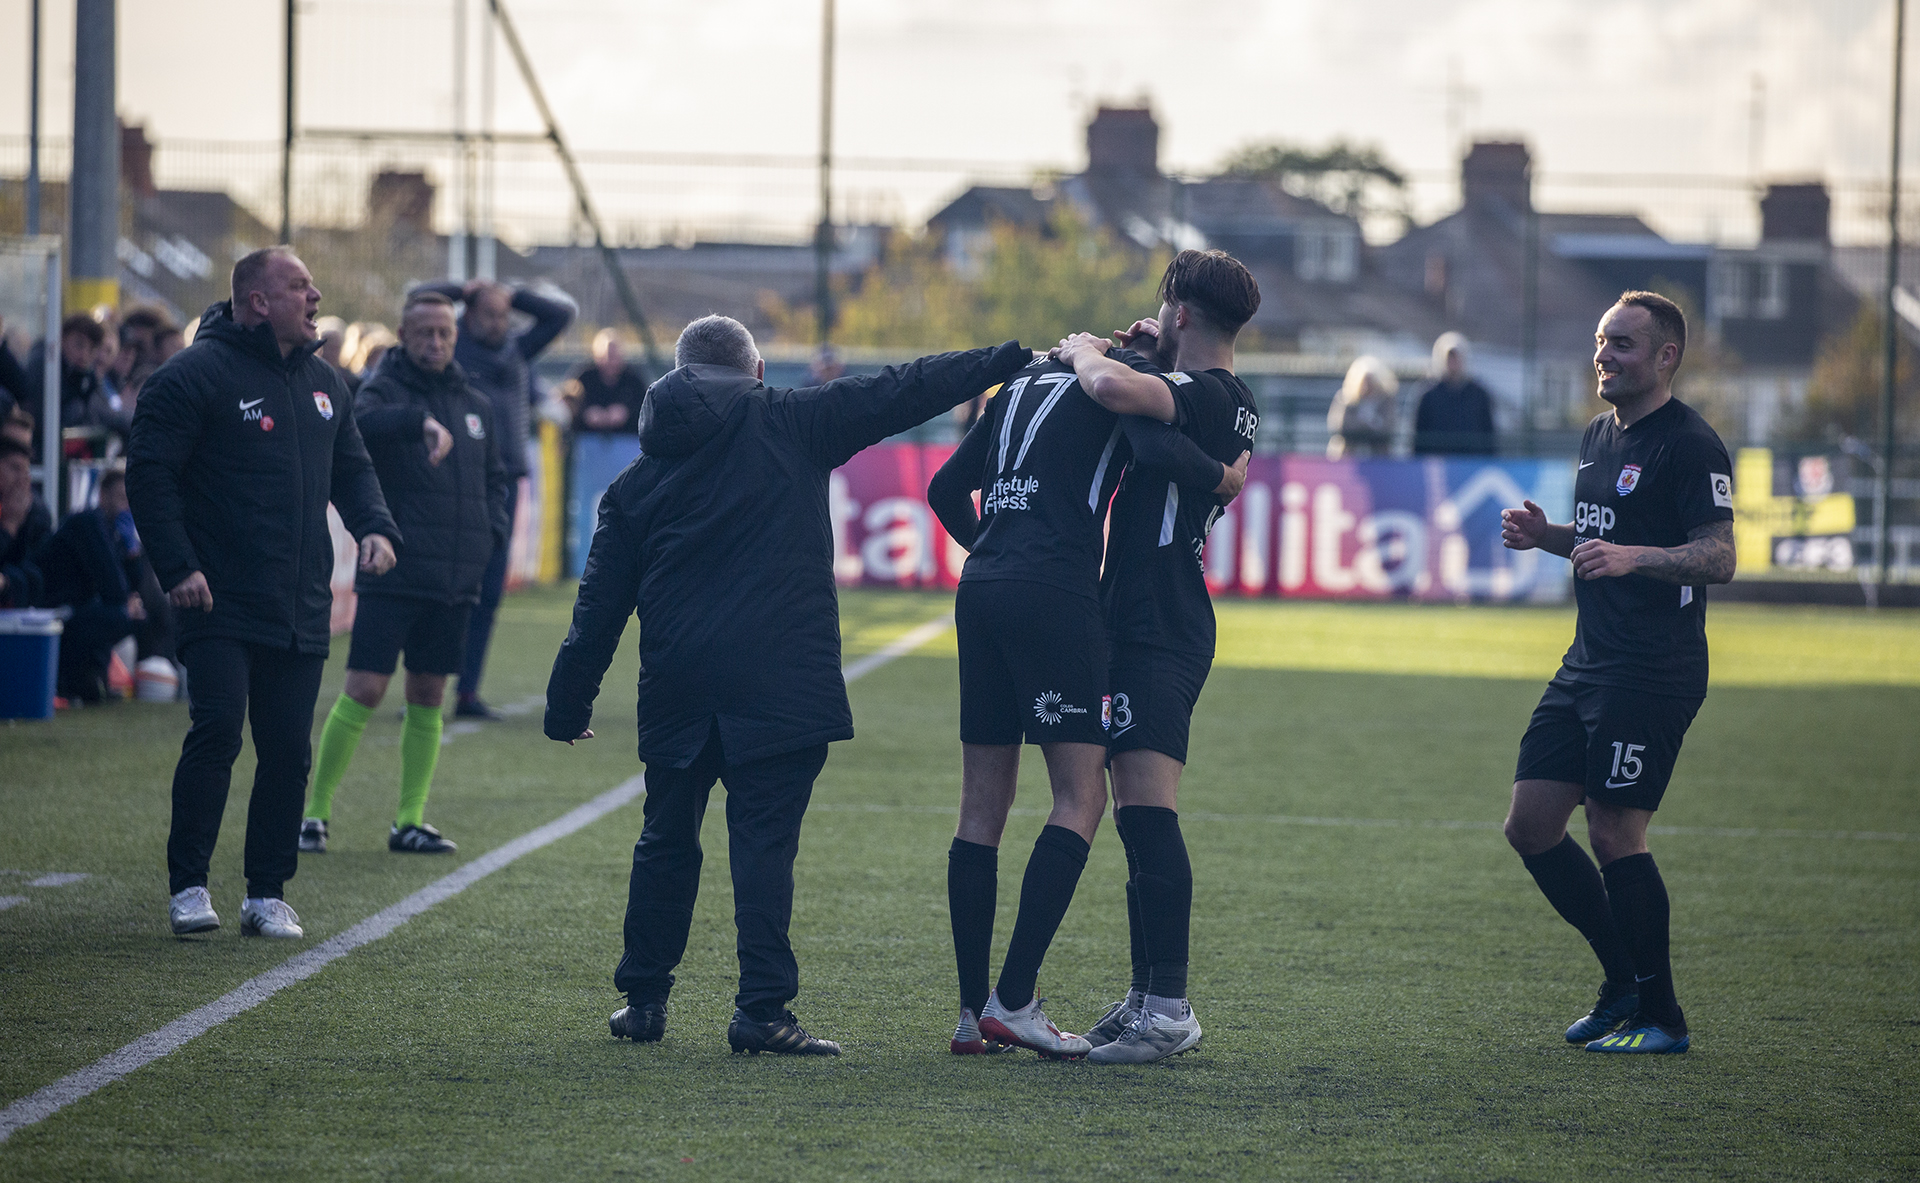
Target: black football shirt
1154, 590
1647, 485
1049, 458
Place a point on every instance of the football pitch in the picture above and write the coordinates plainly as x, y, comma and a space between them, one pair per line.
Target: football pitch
1382, 987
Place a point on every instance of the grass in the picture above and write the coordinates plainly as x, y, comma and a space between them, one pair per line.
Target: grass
1382, 998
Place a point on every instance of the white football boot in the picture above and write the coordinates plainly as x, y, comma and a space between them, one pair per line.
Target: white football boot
192, 911
269, 918
1029, 1027
1151, 1037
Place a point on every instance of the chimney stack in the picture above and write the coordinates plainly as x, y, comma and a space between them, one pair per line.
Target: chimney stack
136, 160
1123, 140
401, 200
1795, 213
1497, 169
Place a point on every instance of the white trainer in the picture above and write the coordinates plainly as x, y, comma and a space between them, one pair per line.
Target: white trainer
269, 918
1029, 1027
192, 911
1150, 1037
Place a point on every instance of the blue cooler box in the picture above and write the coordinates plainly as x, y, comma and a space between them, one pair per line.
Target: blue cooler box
29, 659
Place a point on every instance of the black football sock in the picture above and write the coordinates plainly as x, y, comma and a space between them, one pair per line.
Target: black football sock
1572, 884
1059, 855
1641, 911
1136, 936
1165, 889
973, 888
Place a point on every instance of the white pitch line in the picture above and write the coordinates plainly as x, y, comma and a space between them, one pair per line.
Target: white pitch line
44, 1103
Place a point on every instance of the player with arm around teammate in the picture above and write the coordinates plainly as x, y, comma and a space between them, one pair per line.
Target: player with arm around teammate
1033, 668
1160, 625
1653, 525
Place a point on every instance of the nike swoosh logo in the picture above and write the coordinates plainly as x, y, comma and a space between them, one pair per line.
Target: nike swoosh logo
1622, 785
1585, 464
250, 406
1118, 730
1648, 978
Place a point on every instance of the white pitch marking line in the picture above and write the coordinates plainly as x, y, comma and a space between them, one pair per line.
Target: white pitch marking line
44, 1103
12, 901
58, 879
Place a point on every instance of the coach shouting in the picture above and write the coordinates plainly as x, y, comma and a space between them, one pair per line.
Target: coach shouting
238, 444
719, 532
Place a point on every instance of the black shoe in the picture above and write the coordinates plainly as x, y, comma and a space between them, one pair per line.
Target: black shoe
420, 839
473, 708
642, 1022
783, 1036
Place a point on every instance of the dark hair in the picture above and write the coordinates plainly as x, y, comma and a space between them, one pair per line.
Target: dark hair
13, 447
1669, 323
143, 318
114, 475
84, 325
1215, 284
20, 414
251, 270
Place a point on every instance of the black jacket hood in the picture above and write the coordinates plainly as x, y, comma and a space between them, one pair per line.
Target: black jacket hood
217, 321
689, 406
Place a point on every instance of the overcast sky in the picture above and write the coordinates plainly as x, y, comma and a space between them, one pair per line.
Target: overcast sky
1597, 86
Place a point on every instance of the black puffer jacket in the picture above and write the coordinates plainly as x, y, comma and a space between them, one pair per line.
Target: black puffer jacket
719, 532
453, 514
235, 453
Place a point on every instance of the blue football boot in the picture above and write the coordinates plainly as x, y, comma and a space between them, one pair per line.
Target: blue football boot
1616, 1005
1641, 1036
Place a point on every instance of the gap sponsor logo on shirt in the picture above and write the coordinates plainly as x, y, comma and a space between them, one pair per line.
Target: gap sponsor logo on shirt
1009, 493
1588, 516
1629, 479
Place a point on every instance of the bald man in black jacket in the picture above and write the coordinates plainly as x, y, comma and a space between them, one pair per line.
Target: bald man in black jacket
719, 534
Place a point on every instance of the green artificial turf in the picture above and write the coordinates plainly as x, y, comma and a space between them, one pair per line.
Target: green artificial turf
1382, 987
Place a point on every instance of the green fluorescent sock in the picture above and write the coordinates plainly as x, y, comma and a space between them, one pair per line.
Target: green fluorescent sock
419, 752
338, 741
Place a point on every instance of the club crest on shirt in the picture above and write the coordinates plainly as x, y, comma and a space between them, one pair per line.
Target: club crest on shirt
1629, 477
474, 430
325, 404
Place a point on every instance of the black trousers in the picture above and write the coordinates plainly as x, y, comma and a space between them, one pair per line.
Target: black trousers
230, 682
493, 584
766, 800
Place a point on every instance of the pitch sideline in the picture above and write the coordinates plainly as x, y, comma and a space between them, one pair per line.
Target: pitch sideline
49, 1100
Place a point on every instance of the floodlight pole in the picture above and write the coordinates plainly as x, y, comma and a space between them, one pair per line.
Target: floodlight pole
628, 300
286, 143
33, 123
823, 233
1889, 333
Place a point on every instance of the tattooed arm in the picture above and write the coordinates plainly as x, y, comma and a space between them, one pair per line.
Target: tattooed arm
1706, 557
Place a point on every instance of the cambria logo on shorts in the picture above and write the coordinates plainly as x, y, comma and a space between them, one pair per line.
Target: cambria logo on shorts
1050, 708
1629, 477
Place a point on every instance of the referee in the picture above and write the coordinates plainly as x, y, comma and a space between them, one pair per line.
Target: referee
1652, 526
238, 444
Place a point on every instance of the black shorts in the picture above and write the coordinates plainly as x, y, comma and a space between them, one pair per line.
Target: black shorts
1154, 691
1033, 664
1620, 744
433, 634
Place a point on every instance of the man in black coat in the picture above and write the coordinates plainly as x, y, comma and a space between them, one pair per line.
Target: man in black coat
432, 441
25, 526
239, 442
719, 532
86, 572
1454, 416
498, 362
